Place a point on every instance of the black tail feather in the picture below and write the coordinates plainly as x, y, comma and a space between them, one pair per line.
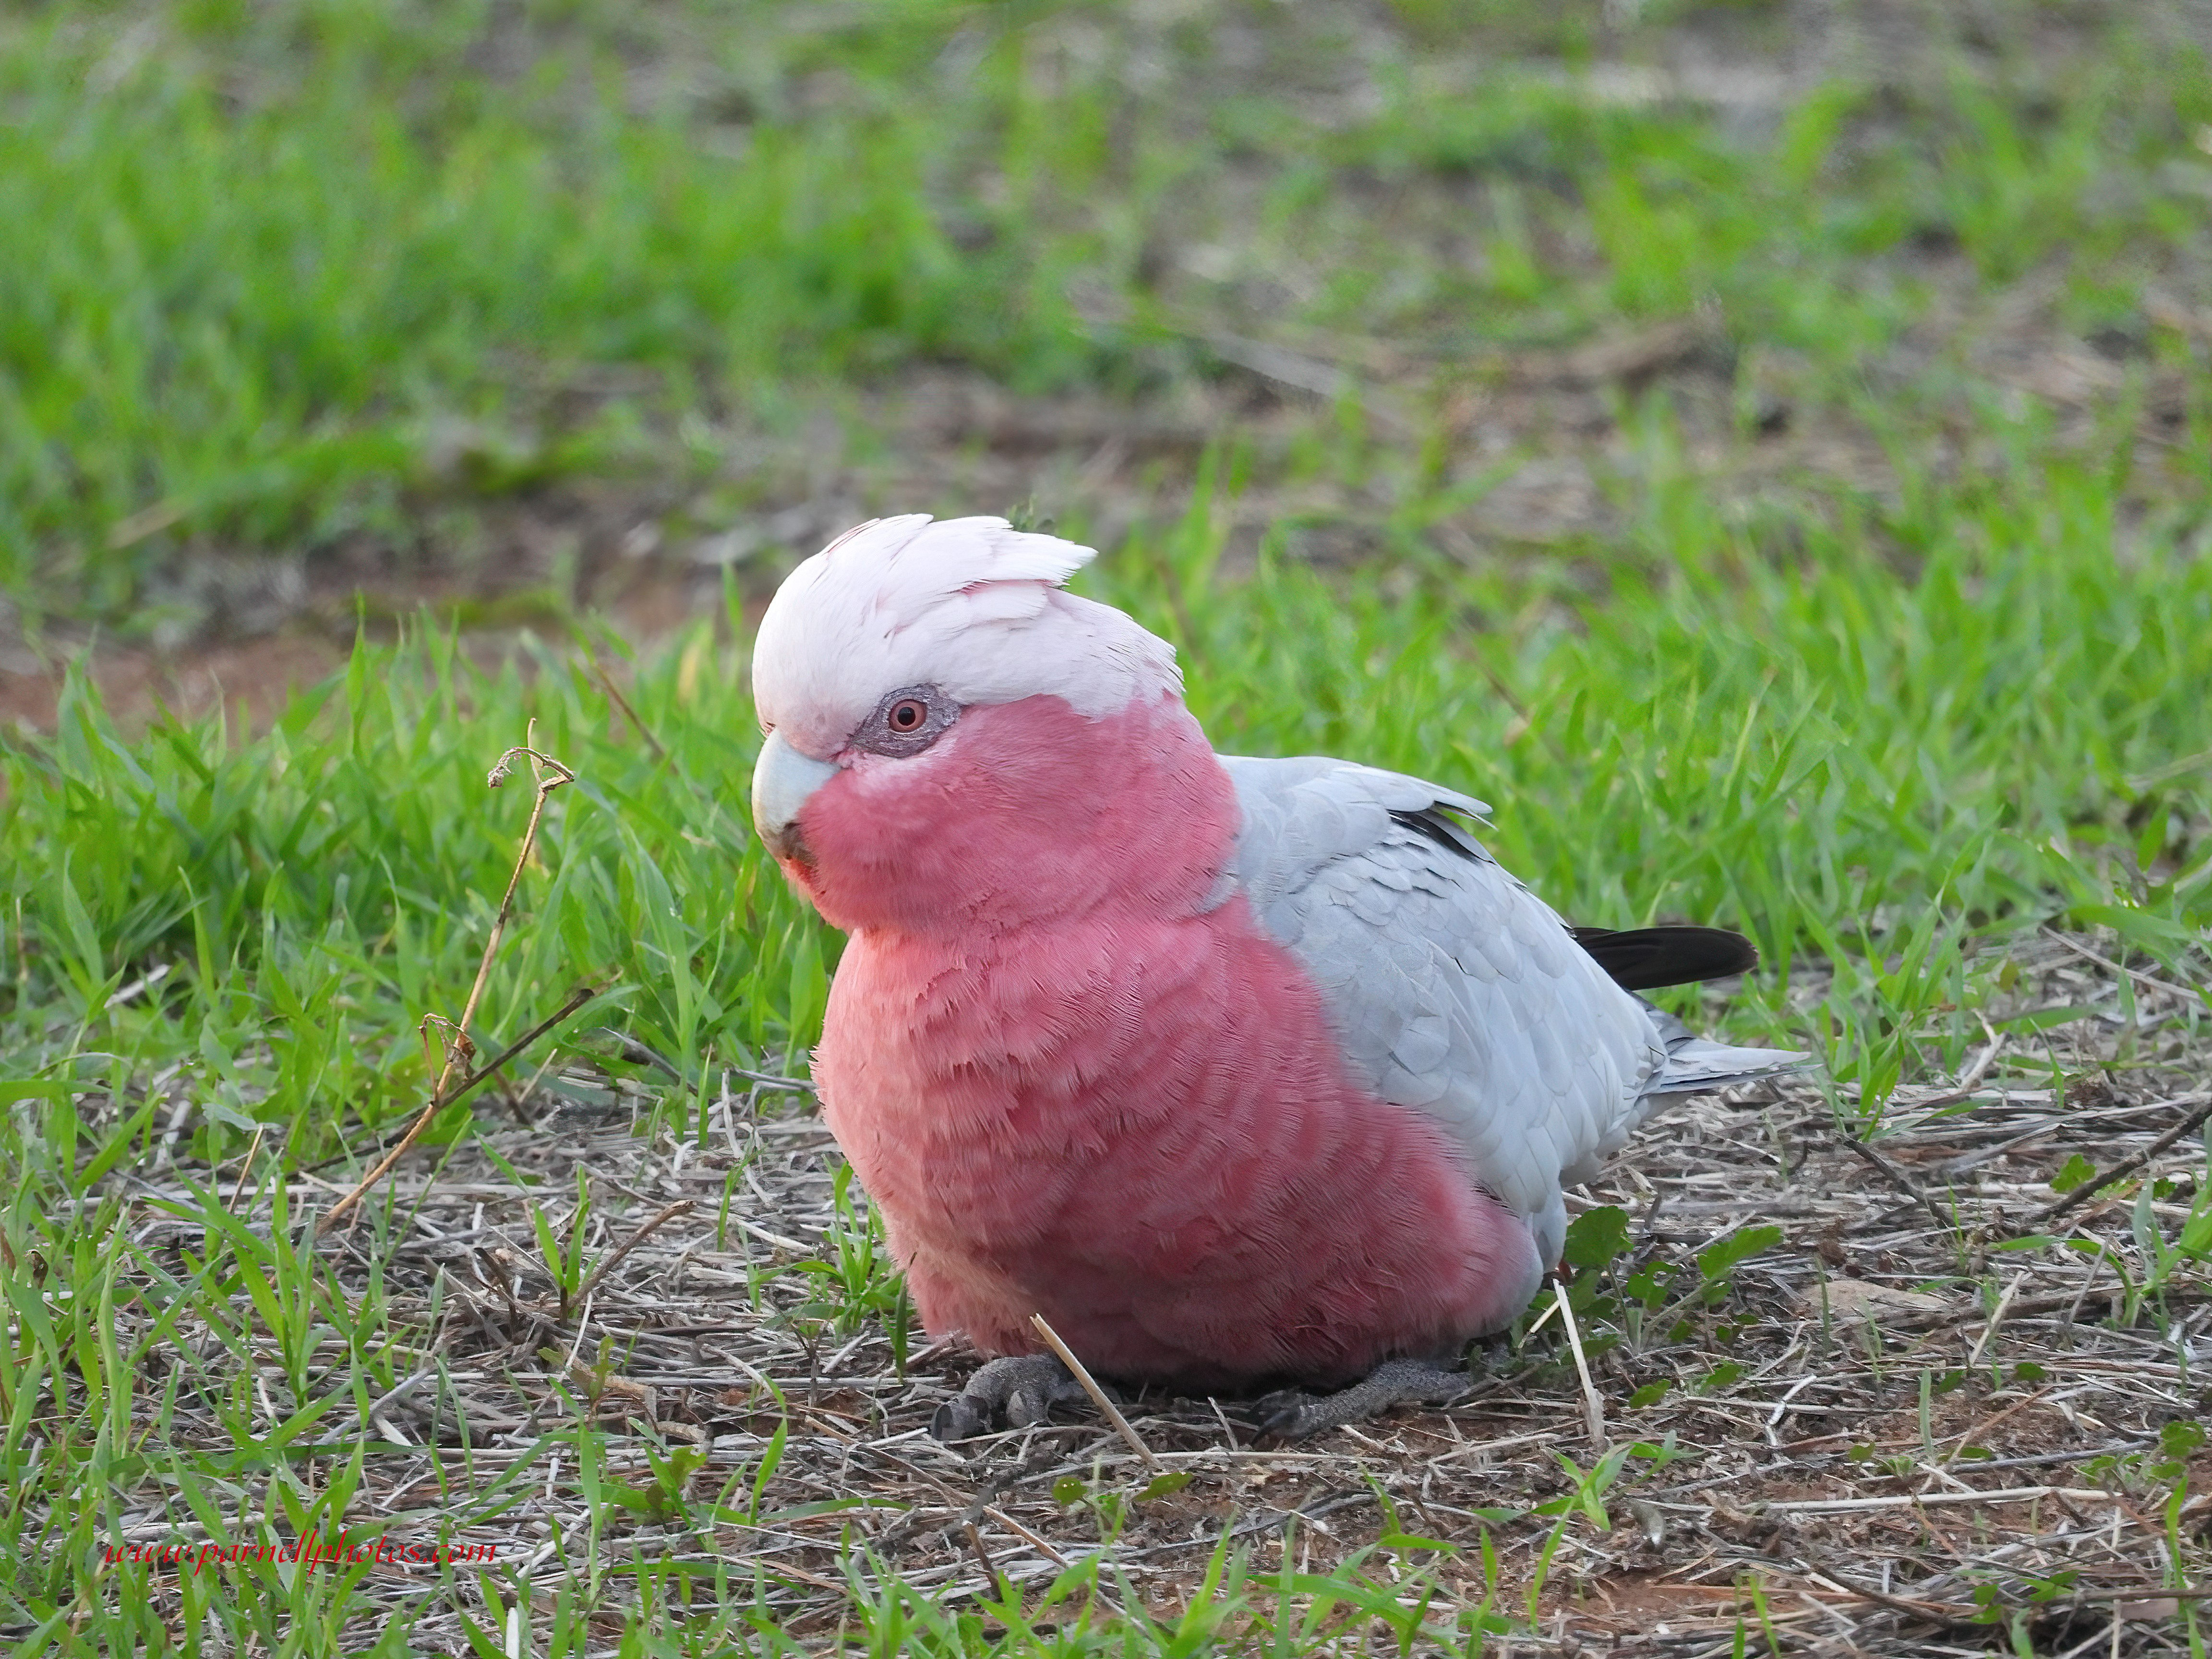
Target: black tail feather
1645, 959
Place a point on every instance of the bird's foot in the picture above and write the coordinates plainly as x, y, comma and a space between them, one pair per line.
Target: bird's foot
1294, 1414
1023, 1389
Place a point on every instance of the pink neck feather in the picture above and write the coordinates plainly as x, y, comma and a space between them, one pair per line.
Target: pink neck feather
1024, 813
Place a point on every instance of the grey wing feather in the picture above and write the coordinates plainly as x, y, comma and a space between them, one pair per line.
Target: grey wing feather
1452, 987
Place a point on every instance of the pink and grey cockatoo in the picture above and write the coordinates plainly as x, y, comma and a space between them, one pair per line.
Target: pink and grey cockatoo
1236, 1070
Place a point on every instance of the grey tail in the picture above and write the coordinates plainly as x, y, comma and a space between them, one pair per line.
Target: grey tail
1696, 1066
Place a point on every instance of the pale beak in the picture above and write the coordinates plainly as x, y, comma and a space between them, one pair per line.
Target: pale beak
782, 779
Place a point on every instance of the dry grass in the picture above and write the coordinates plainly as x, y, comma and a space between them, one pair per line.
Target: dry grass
1925, 1394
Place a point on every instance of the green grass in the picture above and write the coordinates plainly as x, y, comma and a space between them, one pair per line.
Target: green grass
1853, 762
351, 274
291, 279
292, 275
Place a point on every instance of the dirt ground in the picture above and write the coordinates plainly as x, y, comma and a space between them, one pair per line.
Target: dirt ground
1943, 1411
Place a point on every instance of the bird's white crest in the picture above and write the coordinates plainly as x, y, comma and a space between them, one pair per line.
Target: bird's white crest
972, 605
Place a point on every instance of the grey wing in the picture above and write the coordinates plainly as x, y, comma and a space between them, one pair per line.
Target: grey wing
1453, 988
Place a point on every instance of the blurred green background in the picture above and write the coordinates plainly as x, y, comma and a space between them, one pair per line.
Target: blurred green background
582, 303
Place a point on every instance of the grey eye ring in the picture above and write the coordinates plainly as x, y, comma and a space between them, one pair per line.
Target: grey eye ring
907, 721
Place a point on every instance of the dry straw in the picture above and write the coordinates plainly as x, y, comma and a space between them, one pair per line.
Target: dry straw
549, 774
1981, 1417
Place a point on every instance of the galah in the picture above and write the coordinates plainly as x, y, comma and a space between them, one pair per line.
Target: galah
1236, 1070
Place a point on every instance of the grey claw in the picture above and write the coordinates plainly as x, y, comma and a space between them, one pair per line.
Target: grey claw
1292, 1415
1279, 1413
1020, 1389
957, 1419
1026, 1405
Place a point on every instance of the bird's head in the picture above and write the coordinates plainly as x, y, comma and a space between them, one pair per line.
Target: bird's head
952, 738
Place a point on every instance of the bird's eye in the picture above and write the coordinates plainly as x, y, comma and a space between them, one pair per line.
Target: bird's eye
907, 721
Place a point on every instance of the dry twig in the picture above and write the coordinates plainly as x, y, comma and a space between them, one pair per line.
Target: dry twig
1593, 1407
614, 694
2095, 1184
549, 774
2135, 974
1896, 1177
1099, 1397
